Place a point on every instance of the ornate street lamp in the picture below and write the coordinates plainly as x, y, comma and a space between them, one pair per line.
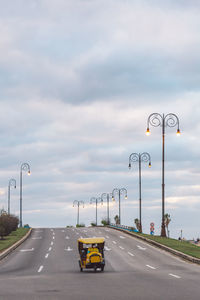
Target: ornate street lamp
12, 182
96, 200
24, 167
140, 157
107, 196
78, 203
169, 120
119, 193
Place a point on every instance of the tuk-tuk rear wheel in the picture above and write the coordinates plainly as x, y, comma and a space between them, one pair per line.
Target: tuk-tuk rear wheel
102, 268
81, 269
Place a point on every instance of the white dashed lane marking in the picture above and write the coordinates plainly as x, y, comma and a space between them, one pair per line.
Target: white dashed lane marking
131, 254
40, 269
141, 248
37, 238
148, 266
114, 242
122, 237
121, 247
50, 248
27, 250
107, 249
68, 249
51, 243
46, 256
175, 276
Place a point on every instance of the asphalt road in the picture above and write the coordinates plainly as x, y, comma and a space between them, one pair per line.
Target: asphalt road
46, 267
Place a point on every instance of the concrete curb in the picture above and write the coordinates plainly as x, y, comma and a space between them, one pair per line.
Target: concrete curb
163, 247
17, 244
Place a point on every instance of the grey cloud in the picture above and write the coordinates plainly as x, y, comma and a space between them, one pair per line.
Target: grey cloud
76, 91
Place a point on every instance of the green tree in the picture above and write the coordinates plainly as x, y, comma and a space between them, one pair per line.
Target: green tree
137, 223
105, 222
116, 218
93, 224
2, 231
8, 223
167, 220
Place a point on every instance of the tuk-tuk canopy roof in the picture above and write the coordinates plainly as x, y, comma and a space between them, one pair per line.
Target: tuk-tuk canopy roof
99, 240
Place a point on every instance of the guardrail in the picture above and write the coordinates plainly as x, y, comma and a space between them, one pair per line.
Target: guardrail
128, 228
14, 246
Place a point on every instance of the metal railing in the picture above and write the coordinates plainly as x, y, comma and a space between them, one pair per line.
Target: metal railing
132, 229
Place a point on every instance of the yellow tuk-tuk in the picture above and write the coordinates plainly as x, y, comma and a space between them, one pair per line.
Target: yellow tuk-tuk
91, 252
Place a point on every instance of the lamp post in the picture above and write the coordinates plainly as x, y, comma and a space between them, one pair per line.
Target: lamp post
169, 120
78, 203
12, 182
24, 167
140, 157
107, 196
96, 200
119, 193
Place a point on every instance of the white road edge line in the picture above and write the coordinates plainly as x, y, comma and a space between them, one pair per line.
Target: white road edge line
46, 256
40, 269
131, 254
153, 268
173, 275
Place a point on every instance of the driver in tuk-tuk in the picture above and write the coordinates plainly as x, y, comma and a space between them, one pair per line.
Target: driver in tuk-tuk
92, 249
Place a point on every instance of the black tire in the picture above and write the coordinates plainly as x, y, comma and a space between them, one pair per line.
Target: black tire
81, 269
95, 269
102, 268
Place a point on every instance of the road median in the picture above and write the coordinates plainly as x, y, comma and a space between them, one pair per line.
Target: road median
185, 245
6, 250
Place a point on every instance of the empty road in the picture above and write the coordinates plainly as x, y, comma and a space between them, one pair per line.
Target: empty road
45, 266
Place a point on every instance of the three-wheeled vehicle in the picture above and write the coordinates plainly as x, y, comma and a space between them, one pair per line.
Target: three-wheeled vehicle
91, 252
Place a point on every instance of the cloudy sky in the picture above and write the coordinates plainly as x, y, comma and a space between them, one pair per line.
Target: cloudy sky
78, 80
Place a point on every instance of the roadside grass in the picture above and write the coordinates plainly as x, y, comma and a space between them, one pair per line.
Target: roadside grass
182, 246
12, 238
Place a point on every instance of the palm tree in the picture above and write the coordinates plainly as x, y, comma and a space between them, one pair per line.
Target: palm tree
137, 223
167, 220
116, 218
